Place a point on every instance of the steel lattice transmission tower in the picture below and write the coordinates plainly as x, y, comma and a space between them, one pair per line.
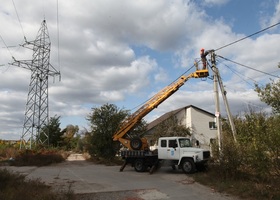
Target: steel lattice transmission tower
37, 110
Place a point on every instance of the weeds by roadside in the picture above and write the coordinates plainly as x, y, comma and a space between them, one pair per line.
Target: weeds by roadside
35, 157
14, 186
40, 157
241, 184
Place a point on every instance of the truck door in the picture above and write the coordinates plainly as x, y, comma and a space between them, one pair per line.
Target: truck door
162, 150
173, 151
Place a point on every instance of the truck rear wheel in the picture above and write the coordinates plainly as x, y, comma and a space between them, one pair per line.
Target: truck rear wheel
136, 143
139, 165
188, 166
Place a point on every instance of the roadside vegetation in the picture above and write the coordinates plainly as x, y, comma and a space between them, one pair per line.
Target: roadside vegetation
16, 186
250, 167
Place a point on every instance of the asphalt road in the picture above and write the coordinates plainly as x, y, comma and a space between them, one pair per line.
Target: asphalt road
106, 182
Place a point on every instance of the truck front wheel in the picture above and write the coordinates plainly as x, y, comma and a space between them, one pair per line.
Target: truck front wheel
139, 165
188, 166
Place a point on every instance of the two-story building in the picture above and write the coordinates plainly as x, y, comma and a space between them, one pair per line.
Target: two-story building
200, 123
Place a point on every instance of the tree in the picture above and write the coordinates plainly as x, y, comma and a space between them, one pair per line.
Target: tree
170, 127
104, 123
53, 131
258, 147
270, 94
70, 137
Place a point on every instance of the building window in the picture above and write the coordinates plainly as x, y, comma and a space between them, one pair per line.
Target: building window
212, 125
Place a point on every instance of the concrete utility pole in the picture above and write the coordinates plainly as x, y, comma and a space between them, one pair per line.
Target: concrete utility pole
226, 105
37, 110
217, 101
218, 80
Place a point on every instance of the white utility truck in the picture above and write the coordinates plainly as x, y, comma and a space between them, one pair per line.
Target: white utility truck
173, 151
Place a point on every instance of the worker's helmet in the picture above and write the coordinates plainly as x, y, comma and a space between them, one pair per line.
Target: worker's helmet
202, 49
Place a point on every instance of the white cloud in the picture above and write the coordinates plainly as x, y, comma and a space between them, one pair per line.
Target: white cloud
99, 61
215, 2
275, 18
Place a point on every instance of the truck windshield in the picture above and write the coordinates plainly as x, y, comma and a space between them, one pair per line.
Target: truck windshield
184, 142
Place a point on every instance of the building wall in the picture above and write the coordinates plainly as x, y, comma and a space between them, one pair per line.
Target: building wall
182, 116
198, 122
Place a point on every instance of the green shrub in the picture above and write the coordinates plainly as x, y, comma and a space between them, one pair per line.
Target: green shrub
252, 165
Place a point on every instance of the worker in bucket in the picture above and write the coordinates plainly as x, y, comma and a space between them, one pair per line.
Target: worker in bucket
203, 55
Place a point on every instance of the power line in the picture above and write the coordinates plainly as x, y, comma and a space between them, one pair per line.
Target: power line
248, 67
248, 36
58, 45
240, 75
19, 20
6, 45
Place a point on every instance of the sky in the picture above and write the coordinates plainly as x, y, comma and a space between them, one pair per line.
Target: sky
123, 52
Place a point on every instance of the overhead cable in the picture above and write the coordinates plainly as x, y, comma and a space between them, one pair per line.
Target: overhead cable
6, 45
248, 36
248, 67
240, 75
58, 45
19, 20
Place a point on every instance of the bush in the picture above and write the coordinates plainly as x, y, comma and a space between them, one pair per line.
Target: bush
252, 165
40, 157
231, 159
7, 153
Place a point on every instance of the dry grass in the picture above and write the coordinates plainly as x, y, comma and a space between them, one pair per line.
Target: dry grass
246, 186
40, 157
15, 186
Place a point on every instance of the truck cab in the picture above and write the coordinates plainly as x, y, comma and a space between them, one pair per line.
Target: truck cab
180, 152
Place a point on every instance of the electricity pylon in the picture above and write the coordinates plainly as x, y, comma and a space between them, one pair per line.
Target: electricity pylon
37, 110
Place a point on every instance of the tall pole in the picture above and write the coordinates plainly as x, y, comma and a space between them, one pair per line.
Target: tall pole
226, 105
217, 101
37, 110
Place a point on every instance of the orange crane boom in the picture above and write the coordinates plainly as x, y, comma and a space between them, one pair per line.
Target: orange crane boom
130, 122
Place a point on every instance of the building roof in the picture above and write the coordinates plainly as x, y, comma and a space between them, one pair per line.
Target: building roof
171, 113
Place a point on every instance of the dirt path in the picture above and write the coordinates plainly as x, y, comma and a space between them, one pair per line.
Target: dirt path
75, 157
